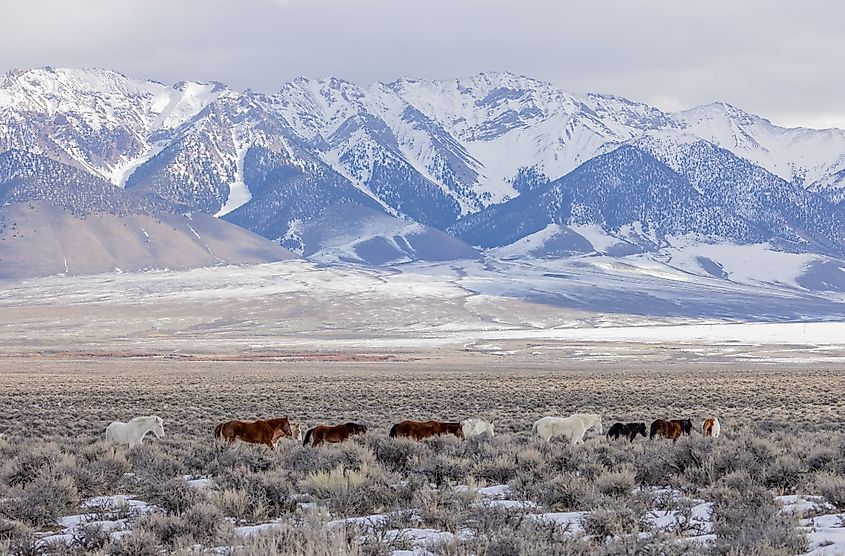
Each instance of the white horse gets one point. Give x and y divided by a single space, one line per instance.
571 428
477 427
133 432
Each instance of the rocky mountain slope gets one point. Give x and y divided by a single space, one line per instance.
492 158
57 219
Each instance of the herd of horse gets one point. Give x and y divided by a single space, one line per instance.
270 431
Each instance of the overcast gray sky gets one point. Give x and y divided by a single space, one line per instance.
780 59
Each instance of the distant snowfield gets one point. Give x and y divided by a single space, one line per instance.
813 333
487 306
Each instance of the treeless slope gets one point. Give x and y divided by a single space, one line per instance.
41 239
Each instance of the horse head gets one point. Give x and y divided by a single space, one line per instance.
597 425
641 430
158 426
284 426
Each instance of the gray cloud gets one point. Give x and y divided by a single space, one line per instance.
781 60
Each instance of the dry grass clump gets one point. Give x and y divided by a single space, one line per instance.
306 536
350 492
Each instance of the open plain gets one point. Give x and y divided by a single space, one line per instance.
330 345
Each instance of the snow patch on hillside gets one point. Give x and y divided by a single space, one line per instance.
239 193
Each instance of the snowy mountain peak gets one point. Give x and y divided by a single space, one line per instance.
431 151
801 155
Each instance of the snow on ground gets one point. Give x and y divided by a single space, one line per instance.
803 505
112 513
467 303
825 534
597 237
745 264
199 483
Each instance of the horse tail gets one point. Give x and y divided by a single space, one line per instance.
653 430
218 431
307 437
393 430
534 430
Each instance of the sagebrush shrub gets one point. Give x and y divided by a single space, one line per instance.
42 501
611 521
141 542
563 493
832 487
172 495
618 484
746 519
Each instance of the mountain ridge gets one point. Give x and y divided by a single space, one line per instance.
434 152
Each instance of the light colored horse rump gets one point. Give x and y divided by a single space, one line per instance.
572 428
477 427
133 432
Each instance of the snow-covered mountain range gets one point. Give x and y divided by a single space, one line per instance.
491 159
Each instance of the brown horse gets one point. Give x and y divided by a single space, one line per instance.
711 427
670 429
424 429
258 432
333 434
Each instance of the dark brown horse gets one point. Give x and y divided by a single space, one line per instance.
333 434
258 432
670 429
424 429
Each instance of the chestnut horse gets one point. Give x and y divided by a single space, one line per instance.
671 429
333 434
424 429
711 427
258 432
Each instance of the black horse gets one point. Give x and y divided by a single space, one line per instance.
631 430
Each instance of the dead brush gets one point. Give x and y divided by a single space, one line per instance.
348 492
